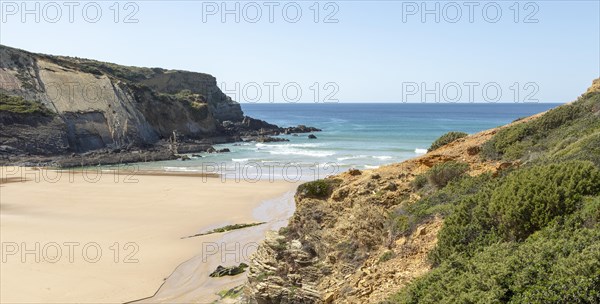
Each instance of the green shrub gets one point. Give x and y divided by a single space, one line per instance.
511 135
115 70
530 235
560 116
419 181
446 139
407 217
466 230
91 70
184 94
441 174
489 151
539 138
515 207
582 148
320 188
530 199
18 104
398 223
386 256
504 140
557 265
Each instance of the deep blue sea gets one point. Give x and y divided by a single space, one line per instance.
361 136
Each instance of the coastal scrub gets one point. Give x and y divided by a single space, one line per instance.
446 139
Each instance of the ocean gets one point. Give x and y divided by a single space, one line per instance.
361 136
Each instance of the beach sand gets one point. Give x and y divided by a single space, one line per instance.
54 225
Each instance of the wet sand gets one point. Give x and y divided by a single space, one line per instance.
190 282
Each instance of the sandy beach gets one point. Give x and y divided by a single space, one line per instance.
82 237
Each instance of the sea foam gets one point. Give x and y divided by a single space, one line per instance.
382 157
420 151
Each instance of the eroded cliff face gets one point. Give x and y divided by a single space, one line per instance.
35 134
97 105
220 105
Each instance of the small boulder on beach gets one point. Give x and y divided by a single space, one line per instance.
228 271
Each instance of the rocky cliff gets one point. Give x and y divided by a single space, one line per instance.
54 105
331 251
362 236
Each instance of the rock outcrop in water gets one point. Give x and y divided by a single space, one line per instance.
54 106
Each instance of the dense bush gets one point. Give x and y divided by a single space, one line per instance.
407 217
441 174
18 104
91 70
513 208
489 151
127 73
386 256
446 139
529 235
584 147
560 264
196 103
508 140
123 72
419 181
540 138
320 188
467 229
529 199
560 116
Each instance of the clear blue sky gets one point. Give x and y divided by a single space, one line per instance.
370 55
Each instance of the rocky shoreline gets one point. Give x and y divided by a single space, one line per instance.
69 112
248 130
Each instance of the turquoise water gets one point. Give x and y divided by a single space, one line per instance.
361 136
